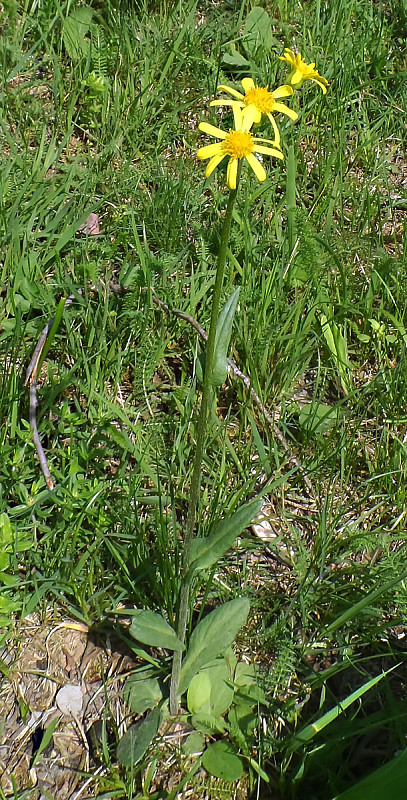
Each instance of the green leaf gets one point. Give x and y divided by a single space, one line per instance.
213 636
243 717
319 417
221 760
193 744
152 629
211 691
386 782
136 740
141 695
222 340
74 29
207 723
257 31
208 550
199 693
337 346
234 59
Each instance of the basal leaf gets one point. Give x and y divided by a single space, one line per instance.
213 636
136 740
141 695
152 629
221 760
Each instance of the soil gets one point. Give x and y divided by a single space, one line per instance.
56 673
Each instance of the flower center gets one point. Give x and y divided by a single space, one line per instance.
261 98
237 144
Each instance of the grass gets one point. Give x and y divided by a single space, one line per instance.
99 112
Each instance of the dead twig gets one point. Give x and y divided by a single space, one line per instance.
31 378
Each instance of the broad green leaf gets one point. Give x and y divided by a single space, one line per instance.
308 733
243 717
234 59
136 740
193 744
257 31
208 550
152 629
337 346
199 693
141 695
222 340
319 417
221 760
222 690
389 782
207 723
211 691
213 636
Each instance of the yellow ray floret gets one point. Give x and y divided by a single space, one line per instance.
256 101
236 144
301 71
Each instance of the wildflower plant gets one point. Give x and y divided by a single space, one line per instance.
208 665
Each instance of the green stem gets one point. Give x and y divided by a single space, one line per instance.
207 394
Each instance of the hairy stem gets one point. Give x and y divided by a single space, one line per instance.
207 395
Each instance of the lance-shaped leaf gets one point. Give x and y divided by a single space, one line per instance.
222 340
153 629
137 739
213 636
209 549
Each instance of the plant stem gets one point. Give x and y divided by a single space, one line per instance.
207 394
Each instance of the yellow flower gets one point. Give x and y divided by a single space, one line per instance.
301 71
236 144
256 101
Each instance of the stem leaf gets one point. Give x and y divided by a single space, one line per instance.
209 549
222 340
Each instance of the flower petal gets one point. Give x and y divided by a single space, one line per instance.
283 91
231 91
231 173
288 56
209 150
297 77
251 114
247 83
207 128
276 131
238 116
257 168
268 151
285 110
223 102
213 163
315 80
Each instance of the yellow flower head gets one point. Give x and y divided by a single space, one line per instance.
257 101
236 144
301 71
